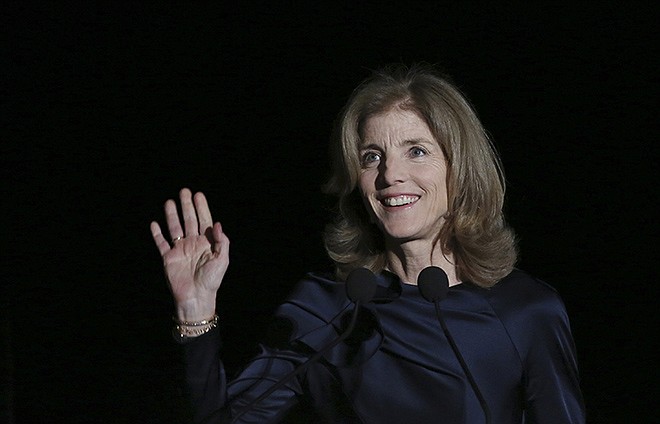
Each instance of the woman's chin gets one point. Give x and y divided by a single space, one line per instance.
400 237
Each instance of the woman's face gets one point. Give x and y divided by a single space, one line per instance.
403 176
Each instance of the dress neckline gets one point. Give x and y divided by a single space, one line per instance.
390 287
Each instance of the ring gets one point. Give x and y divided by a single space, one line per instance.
174 240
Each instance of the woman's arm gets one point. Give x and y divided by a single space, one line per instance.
215 398
195 263
551 386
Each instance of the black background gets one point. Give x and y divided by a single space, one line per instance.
112 108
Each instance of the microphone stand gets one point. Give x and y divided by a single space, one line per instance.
360 288
433 285
301 368
466 370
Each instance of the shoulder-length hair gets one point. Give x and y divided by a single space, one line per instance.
474 231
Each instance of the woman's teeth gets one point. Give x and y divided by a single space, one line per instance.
399 201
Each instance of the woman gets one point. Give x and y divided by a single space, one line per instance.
419 184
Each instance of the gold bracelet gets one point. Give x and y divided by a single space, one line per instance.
184 330
196 323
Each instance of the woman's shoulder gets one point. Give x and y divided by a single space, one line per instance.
315 301
530 309
520 296
319 292
316 313
523 287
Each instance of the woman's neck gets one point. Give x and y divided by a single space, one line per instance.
407 260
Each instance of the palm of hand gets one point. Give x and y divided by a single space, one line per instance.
193 269
195 262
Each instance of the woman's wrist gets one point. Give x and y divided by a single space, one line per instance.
195 310
187 329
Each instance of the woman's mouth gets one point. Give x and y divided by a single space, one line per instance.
399 200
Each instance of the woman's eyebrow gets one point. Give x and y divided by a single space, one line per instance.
414 141
408 142
369 146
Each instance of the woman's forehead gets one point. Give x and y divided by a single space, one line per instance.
396 127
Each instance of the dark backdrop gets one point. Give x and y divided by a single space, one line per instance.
111 109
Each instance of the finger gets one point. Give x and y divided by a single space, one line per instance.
172 218
189 215
221 241
203 213
162 244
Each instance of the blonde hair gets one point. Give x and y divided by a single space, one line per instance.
474 231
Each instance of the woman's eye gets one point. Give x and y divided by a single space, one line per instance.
369 158
417 152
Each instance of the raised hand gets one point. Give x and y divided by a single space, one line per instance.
196 260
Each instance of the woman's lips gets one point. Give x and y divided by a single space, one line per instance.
401 200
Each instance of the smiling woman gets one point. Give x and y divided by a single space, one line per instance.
403 182
422 110
420 194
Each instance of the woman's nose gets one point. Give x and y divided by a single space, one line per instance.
392 171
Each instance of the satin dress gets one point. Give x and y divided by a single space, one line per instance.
397 366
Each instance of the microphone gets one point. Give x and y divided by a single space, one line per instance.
360 288
433 285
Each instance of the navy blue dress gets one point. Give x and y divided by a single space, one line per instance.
397 366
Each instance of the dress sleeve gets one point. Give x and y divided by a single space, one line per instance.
551 384
309 320
215 399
